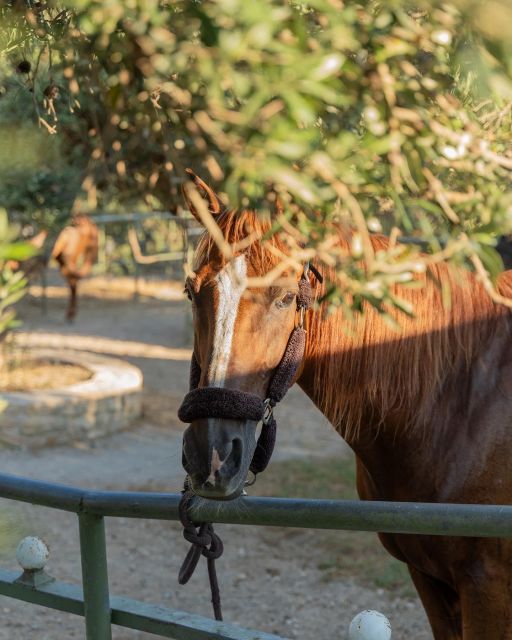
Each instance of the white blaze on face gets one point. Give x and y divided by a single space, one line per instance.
231 283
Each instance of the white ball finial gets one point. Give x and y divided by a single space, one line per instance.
369 625
32 553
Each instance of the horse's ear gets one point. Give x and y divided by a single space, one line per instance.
275 204
212 199
278 206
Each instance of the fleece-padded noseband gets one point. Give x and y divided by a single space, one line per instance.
217 402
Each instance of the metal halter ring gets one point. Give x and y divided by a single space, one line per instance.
302 314
249 483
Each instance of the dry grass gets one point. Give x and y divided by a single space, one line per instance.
33 375
348 554
13 528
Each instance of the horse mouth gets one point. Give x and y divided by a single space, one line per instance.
210 492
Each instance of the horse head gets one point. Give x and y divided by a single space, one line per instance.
241 332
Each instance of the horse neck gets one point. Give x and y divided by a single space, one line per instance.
374 384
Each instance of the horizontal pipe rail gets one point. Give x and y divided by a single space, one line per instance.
391 517
106 218
132 614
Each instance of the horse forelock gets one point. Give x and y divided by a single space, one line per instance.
365 366
246 228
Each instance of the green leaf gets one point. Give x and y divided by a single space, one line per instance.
491 260
17 251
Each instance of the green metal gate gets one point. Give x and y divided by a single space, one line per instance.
101 610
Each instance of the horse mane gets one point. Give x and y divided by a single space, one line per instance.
364 368
374 371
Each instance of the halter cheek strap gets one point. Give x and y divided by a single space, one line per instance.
216 402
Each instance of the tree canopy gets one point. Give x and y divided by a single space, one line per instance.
387 117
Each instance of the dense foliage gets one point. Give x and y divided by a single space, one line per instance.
384 116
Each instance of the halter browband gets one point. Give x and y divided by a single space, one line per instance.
217 402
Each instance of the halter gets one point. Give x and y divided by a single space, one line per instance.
216 402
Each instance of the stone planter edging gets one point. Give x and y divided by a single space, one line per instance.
81 412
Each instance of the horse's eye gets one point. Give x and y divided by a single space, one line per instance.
285 301
186 291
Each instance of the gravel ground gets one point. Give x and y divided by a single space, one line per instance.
270 578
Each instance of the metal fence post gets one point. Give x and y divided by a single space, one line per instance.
44 289
102 250
95 577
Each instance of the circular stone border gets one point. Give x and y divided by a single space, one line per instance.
104 404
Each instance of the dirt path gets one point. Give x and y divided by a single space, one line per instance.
271 578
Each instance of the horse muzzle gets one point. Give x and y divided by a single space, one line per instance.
217 453
219 446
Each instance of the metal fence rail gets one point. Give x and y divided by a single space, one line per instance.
101 610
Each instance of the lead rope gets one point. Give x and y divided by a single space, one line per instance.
205 542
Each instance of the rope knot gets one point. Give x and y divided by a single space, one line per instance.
199 538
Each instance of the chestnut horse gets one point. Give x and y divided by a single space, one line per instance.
427 409
75 250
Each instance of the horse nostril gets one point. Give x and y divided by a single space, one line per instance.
236 452
228 464
184 458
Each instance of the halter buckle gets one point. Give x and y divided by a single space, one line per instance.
267 411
